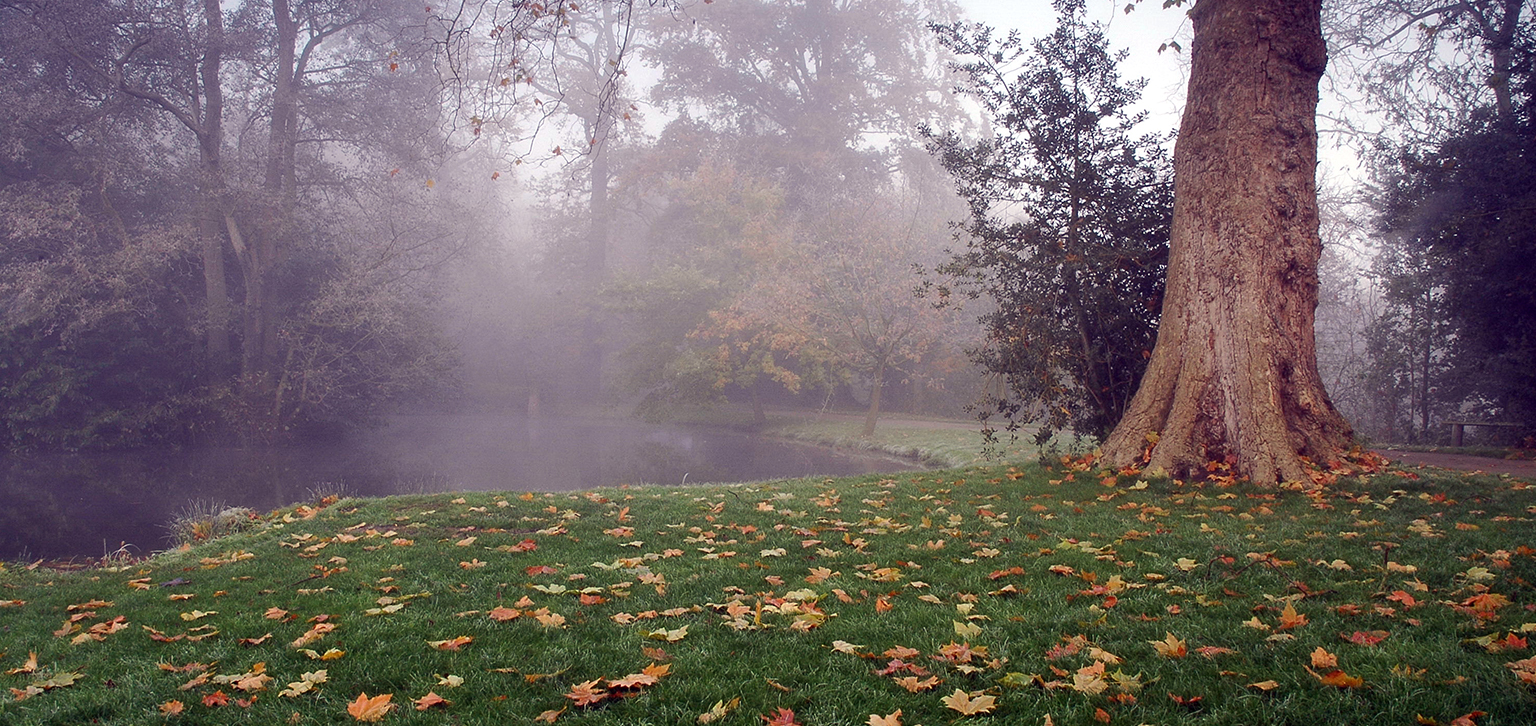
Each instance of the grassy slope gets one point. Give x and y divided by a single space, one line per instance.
939 548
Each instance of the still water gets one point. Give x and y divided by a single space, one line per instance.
85 505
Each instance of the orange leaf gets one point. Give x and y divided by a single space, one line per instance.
371 709
548 716
633 680
503 614
1323 659
1338 678
217 698
171 708
588 693
451 643
430 700
1170 647
1289 618
912 684
893 719
1467 719
1100 715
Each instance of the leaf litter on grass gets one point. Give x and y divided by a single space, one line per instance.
976 593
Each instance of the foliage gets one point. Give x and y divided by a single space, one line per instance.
1068 234
121 200
826 91
1457 221
1061 595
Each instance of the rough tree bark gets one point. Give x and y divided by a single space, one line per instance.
1233 376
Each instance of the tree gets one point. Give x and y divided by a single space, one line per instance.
1233 377
1410 343
1427 65
828 90
1457 267
1067 235
849 290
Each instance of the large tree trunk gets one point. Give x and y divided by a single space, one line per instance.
1234 374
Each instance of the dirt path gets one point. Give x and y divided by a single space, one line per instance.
1459 462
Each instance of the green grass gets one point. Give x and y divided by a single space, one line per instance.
936 446
1196 561
1487 452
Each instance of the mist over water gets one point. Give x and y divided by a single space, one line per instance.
60 506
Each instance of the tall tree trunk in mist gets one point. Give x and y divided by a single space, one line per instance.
259 251
599 126
210 137
1233 376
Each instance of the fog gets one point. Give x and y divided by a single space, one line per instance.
240 232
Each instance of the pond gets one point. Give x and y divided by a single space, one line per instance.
61 506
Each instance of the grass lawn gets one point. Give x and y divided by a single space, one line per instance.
1021 596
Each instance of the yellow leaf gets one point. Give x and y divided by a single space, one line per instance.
719 710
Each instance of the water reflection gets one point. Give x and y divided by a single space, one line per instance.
85 505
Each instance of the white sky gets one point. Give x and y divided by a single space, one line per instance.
1141 32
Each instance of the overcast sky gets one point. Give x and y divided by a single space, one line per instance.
1141 32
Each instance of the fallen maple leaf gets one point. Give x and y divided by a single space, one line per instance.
1366 638
587 693
912 684
172 708
371 709
1466 720
1170 647
1338 679
1525 670
719 710
430 700
782 717
503 614
215 699
970 704
28 667
548 716
1289 618
893 719
1323 659
1090 679
451 643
